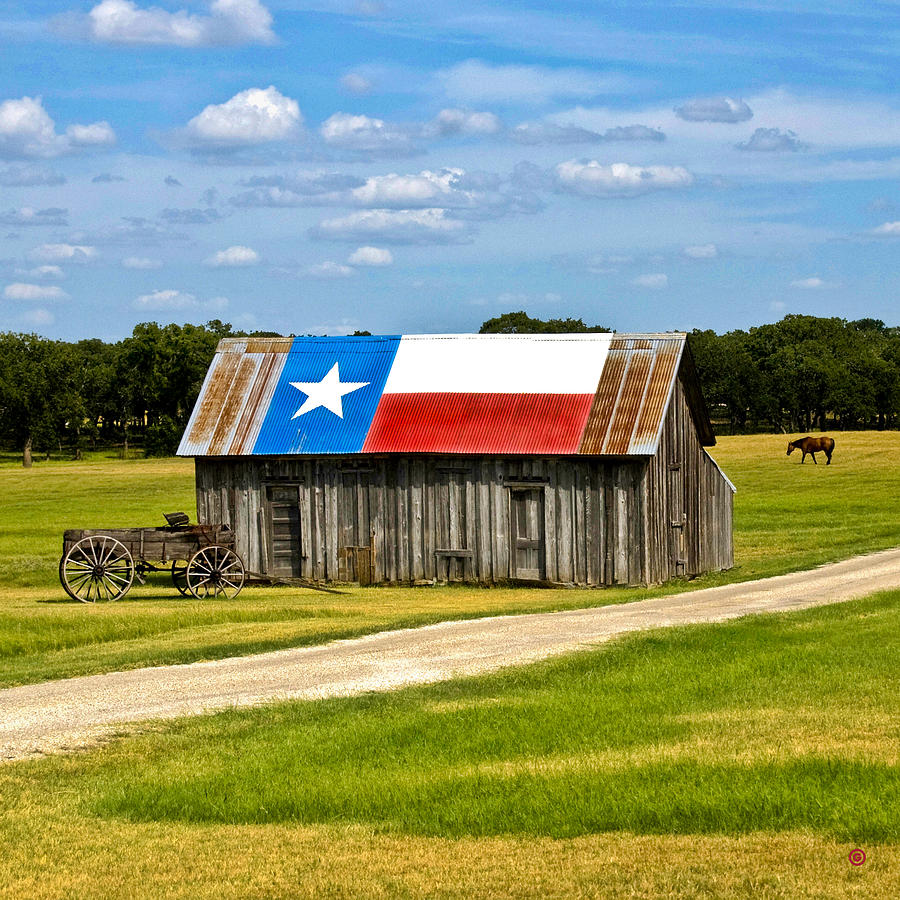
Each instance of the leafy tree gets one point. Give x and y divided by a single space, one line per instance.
521 323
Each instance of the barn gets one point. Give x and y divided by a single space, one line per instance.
568 459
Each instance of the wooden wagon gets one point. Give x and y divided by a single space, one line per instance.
102 564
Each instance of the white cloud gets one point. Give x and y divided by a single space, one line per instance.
29 216
46 272
234 256
364 133
619 179
228 22
405 226
330 269
22 291
771 140
462 121
474 81
28 132
172 299
406 191
702 251
99 134
371 256
655 281
552 133
254 116
356 84
63 253
141 262
777 306
29 176
714 109
810 284
888 229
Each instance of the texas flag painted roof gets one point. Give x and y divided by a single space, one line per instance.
594 394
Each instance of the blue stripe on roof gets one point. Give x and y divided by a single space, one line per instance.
359 359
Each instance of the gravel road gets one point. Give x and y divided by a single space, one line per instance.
77 712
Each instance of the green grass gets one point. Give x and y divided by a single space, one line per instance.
584 744
737 760
787 517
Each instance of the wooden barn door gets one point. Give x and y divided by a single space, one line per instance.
526 509
283 505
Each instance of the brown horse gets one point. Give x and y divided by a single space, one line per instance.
812 446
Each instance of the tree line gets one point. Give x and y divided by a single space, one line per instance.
800 374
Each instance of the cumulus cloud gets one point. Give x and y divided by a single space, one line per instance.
63 253
474 81
405 226
27 216
27 176
771 140
593 179
371 256
45 272
22 291
106 178
39 317
427 189
228 22
363 133
98 134
171 299
355 83
809 284
701 251
714 109
305 189
551 133
234 256
888 229
462 121
141 262
254 116
655 281
28 132
330 269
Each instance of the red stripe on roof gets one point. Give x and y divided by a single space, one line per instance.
478 423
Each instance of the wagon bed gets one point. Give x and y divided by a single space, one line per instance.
102 563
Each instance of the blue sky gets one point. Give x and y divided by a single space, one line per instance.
406 167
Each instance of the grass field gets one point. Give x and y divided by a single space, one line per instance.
738 760
787 516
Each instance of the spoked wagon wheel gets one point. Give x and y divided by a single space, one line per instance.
215 571
97 567
179 576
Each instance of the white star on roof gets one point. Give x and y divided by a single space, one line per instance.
327 392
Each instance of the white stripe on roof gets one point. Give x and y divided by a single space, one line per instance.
501 364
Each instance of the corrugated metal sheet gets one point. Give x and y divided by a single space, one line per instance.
633 395
478 423
251 399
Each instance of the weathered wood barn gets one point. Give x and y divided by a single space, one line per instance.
572 459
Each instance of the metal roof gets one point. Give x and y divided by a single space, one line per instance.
588 394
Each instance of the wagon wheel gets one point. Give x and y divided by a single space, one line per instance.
179 576
215 571
97 567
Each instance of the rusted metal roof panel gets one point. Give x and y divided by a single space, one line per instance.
633 395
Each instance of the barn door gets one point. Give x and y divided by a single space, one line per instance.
526 509
677 518
283 505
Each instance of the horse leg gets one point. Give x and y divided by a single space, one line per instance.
803 458
828 454
813 455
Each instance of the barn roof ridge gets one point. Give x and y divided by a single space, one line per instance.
592 394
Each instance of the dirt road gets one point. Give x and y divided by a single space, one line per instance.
76 712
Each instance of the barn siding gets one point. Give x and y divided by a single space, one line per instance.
419 511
